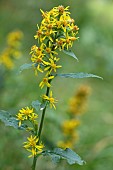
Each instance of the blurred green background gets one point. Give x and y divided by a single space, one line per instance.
95 53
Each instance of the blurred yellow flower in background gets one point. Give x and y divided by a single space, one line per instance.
77 105
12 50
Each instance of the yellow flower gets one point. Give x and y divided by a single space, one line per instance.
51 100
50 49
64 23
68 41
37 51
6 60
13 38
33 117
77 104
75 28
60 10
69 141
26 114
69 126
39 34
12 49
37 57
45 82
65 144
51 65
29 129
32 142
20 117
33 146
44 14
38 63
47 35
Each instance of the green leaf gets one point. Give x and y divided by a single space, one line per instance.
9 120
57 154
36 104
78 75
69 52
43 105
25 66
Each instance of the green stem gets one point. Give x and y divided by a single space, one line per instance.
43 115
40 128
34 163
35 158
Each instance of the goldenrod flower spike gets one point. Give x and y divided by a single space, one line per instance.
13 38
65 144
77 104
12 50
56 31
69 125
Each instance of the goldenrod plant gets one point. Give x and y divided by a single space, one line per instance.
12 50
57 32
69 128
77 104
9 54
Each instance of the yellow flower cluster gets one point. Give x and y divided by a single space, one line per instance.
69 142
70 134
33 146
27 114
69 127
12 50
77 104
57 31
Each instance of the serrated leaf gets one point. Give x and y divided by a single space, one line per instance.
78 75
9 120
57 154
25 66
70 53
36 104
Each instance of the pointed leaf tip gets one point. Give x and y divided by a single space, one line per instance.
25 66
78 75
70 53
